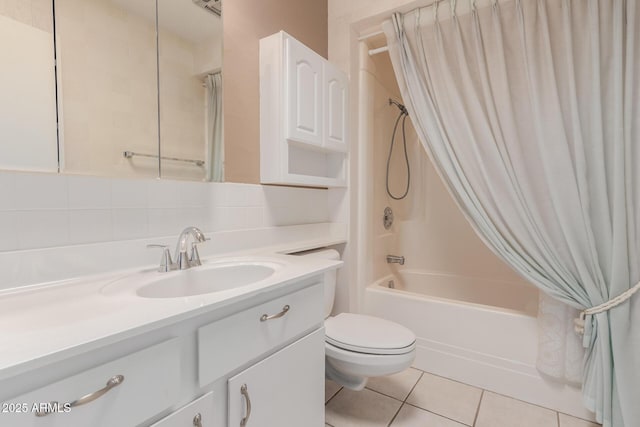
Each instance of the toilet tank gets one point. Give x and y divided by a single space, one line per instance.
329 276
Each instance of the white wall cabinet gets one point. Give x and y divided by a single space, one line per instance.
284 390
304 91
304 115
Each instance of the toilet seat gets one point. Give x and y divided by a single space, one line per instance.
368 335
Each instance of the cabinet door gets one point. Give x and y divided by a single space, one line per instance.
284 390
198 413
336 96
303 87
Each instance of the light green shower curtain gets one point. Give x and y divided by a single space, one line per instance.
215 146
530 110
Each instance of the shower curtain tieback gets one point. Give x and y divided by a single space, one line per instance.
613 302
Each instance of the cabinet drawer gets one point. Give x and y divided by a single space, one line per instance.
231 342
151 384
202 408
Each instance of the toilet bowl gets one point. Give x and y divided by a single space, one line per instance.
358 346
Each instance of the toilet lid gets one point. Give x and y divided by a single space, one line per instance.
367 334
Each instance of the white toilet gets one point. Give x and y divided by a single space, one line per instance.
358 347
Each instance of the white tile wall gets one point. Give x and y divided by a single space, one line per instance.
47 210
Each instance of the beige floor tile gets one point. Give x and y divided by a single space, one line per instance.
501 411
568 421
398 385
364 408
448 398
410 416
330 389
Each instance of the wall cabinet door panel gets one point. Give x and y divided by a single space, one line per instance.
336 98
304 94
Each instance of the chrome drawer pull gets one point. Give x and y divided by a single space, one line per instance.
266 317
197 420
113 382
245 393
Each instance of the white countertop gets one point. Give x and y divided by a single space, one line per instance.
46 323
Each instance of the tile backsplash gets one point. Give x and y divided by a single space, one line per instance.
48 210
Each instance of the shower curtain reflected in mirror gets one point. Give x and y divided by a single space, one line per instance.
215 147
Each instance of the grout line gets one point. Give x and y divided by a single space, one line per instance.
334 395
439 415
520 400
385 395
578 418
395 415
558 418
414 387
475 419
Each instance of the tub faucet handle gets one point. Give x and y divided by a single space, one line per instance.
395 259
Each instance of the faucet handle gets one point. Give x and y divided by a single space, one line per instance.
166 263
194 259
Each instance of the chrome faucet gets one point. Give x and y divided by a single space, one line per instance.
395 259
183 260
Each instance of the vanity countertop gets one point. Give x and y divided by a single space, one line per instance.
49 322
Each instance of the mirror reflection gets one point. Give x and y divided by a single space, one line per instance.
190 62
107 86
137 87
27 87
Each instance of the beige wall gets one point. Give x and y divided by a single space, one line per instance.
245 22
36 13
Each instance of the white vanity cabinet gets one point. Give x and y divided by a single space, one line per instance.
148 382
188 372
304 120
284 390
198 413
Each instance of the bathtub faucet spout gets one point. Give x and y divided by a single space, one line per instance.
395 259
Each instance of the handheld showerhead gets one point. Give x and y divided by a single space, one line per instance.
401 107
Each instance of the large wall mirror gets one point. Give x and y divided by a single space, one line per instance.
112 87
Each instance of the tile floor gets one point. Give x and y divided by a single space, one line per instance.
418 399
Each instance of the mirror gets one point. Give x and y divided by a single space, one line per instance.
190 64
28 138
135 82
107 86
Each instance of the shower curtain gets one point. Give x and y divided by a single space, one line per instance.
530 110
215 147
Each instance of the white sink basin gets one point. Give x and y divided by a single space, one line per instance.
205 279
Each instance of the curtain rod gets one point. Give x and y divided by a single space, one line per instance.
379 32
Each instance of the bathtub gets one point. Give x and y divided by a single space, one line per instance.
477 331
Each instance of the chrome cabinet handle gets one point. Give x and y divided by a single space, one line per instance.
113 382
197 420
245 393
266 317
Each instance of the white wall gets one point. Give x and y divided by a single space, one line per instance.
54 227
49 210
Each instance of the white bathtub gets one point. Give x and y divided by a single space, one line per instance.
480 332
